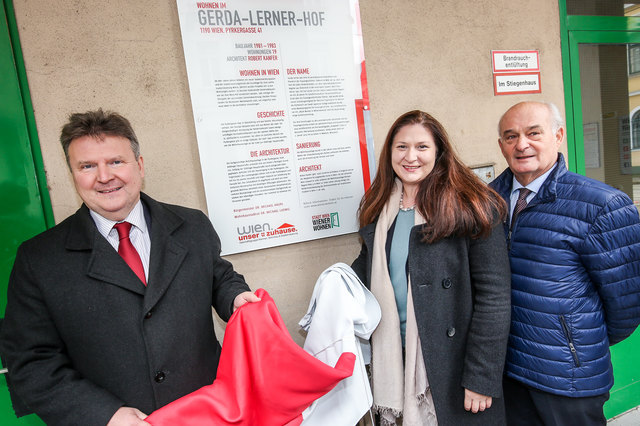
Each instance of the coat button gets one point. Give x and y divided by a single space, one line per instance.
446 283
451 331
159 378
148 315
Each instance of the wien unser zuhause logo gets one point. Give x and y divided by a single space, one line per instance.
261 231
325 221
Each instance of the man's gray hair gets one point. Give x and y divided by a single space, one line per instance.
556 117
97 124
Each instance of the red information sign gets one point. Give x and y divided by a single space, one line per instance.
516 83
515 60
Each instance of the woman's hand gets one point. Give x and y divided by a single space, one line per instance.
475 402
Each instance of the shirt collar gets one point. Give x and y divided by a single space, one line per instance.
533 186
135 217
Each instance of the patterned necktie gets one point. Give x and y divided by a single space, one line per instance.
128 251
520 204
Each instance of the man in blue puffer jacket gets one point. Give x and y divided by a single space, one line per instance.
574 245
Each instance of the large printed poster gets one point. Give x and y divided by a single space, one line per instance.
280 104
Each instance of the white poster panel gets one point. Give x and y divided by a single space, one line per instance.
278 90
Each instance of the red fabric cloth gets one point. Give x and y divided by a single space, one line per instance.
128 251
264 378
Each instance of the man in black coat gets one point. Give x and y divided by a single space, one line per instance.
90 338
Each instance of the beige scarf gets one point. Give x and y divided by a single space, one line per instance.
396 393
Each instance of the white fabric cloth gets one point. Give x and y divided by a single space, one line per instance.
342 315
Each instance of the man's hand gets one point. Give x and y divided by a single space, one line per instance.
475 402
242 298
128 416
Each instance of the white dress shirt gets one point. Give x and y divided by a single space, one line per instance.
139 234
533 186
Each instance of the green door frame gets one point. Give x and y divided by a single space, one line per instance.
588 37
40 179
575 30
25 207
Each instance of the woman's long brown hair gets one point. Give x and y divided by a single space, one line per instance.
452 199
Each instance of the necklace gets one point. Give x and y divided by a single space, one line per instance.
405 209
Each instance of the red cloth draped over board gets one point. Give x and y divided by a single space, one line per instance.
264 377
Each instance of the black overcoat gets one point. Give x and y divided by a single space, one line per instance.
82 336
461 296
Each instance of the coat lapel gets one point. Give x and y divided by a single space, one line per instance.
105 264
367 233
167 254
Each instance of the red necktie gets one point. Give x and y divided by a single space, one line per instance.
520 204
128 251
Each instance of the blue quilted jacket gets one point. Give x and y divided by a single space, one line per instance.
575 267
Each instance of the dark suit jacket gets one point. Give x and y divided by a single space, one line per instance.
82 336
461 296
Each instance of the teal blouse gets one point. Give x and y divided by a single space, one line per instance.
398 264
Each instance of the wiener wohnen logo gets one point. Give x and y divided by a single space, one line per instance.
325 221
261 231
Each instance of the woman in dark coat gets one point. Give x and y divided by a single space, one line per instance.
434 256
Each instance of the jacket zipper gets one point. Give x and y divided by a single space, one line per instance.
569 340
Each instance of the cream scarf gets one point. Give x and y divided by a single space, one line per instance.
396 392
